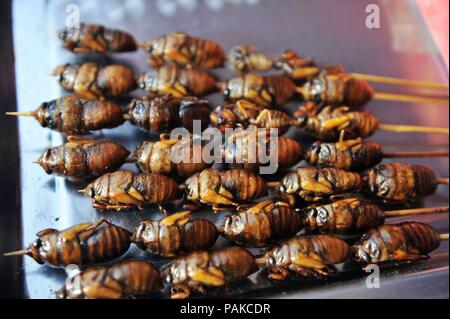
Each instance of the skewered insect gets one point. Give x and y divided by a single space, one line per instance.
166 112
75 115
171 79
251 149
175 234
406 241
200 270
159 157
262 224
328 123
245 114
400 182
125 190
355 155
306 255
83 159
82 244
345 215
94 38
94 81
300 68
315 184
217 188
124 279
183 49
243 59
263 90
337 89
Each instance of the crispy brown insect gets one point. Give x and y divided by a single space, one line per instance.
314 184
124 279
328 123
125 190
202 269
175 234
170 79
345 215
243 59
245 114
301 68
159 157
94 81
406 241
166 112
83 159
262 224
74 115
216 188
183 49
338 89
247 150
263 90
94 38
82 244
352 155
399 182
306 256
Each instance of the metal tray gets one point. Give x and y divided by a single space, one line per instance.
329 31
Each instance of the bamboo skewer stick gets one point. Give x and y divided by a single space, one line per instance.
443 236
417 211
443 181
400 81
30 113
415 154
413 128
409 98
21 252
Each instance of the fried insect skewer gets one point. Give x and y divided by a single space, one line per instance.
244 59
270 221
393 182
61 248
323 123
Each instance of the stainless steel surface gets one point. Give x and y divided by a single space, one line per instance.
329 31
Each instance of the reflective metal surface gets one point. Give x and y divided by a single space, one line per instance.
329 31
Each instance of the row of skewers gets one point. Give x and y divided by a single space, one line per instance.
346 164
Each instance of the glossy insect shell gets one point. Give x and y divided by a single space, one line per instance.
127 190
82 244
330 250
94 81
94 38
262 224
233 263
165 112
183 49
262 90
124 279
242 185
245 151
74 115
157 157
400 242
354 155
170 240
170 79
399 182
346 215
83 160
